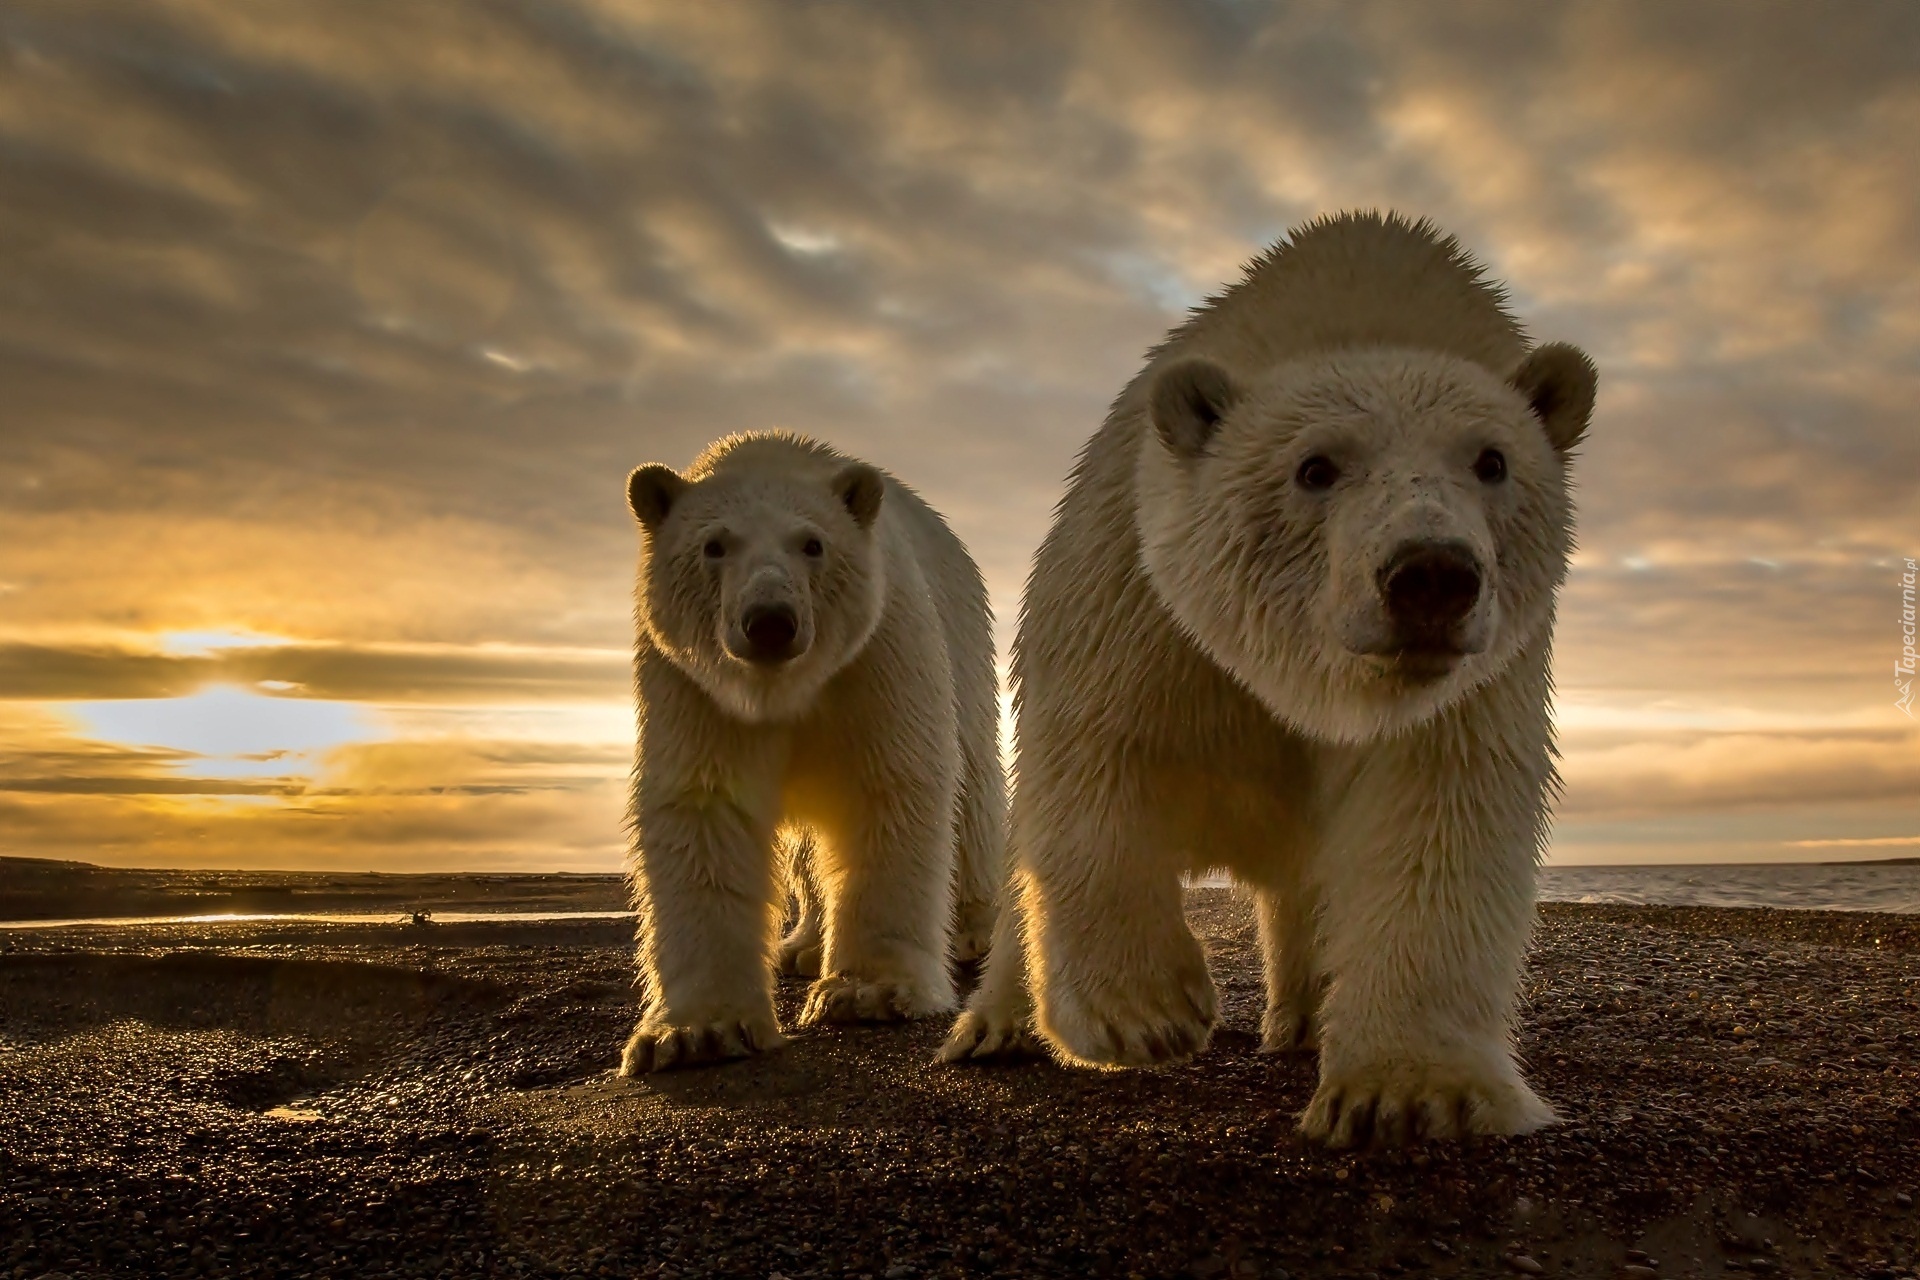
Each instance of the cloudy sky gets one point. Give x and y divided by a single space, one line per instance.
328 331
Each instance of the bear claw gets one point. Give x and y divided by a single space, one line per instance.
1155 1033
842 998
663 1048
975 1038
1154 1046
1403 1107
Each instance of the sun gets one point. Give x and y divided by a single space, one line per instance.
230 732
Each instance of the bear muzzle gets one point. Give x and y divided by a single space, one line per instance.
1429 588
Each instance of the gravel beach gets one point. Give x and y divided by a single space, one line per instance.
1740 1090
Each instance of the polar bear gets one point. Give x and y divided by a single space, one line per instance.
1293 621
814 670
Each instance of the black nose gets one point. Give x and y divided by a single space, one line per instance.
770 630
1429 586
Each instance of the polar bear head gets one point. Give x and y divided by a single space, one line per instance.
1361 536
761 573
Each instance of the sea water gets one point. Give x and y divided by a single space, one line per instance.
1831 886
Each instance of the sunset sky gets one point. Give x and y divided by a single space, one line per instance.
329 331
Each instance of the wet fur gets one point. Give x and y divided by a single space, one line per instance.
1189 698
865 771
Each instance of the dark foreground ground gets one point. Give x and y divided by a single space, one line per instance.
1740 1088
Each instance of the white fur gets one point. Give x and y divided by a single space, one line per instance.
872 757
1202 682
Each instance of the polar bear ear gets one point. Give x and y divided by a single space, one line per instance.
861 488
1189 399
651 492
1558 381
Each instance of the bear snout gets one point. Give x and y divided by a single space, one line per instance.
1430 586
771 632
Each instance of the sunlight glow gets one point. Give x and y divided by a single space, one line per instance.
805 242
201 644
230 729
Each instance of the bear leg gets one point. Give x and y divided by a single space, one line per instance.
1425 913
1121 981
703 876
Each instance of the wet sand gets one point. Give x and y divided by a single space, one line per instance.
300 1100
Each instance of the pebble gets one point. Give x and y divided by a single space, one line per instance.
1525 1264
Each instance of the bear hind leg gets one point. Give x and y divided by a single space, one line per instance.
1294 987
980 821
798 954
998 1019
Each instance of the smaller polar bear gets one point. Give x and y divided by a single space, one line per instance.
814 670
1293 620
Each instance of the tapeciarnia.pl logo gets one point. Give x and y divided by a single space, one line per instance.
1903 665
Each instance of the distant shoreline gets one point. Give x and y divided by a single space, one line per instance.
35 889
10 864
46 889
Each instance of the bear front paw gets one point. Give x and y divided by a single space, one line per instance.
844 997
1134 1022
1393 1103
659 1046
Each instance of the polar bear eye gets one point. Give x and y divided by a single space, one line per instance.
1491 466
812 549
714 549
1317 472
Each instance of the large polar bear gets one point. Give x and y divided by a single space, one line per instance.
1293 620
815 653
